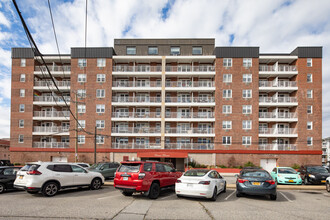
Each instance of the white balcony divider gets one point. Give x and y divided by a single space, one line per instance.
277 131
135 84
51 114
190 146
287 147
190 99
284 84
287 115
50 83
53 129
190 131
136 115
198 84
280 68
53 68
278 99
140 68
51 144
51 98
132 130
190 115
136 99
189 68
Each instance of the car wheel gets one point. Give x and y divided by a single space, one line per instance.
225 188
214 196
96 184
273 197
32 192
125 193
306 181
2 188
154 191
328 186
238 194
50 189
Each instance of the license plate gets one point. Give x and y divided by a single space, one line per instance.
21 177
322 181
125 178
256 183
290 181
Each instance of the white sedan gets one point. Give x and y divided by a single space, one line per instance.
200 183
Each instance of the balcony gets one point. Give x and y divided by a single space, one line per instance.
135 146
284 147
192 116
190 101
62 71
282 86
131 131
190 146
136 101
51 115
192 132
140 70
277 132
49 85
136 116
136 86
52 130
50 100
278 70
278 101
278 116
188 70
190 86
51 144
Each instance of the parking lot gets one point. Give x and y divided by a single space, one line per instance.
109 203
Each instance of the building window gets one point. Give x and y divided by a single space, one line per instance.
175 51
247 62
21 108
100 108
81 78
101 62
309 141
309 93
82 62
23 62
226 124
309 62
21 123
226 93
130 50
247 78
309 125
81 139
246 140
100 124
226 140
309 109
247 124
227 78
100 78
100 139
22 92
309 77
226 109
20 138
22 78
247 93
81 108
247 109
100 93
152 50
81 124
81 93
197 50
227 62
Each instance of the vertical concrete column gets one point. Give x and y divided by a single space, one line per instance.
214 159
162 124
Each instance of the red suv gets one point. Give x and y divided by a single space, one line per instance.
145 176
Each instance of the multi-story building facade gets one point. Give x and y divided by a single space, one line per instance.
326 151
4 149
169 99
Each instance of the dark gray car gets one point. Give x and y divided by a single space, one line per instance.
255 182
106 169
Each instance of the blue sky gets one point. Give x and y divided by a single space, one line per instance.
275 26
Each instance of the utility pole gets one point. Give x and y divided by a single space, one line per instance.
95 138
76 147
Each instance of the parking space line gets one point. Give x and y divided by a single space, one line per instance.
229 195
107 197
285 197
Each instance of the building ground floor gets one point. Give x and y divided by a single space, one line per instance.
180 158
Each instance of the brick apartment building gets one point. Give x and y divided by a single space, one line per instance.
4 149
169 99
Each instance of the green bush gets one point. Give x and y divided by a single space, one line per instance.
222 166
295 166
17 164
249 164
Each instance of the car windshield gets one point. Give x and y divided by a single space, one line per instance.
287 171
96 165
129 168
250 173
317 170
196 172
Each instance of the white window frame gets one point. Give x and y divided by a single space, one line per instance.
309 109
175 50
153 50
247 78
129 50
82 62
100 139
247 62
82 123
247 109
226 125
100 124
22 93
81 139
22 77
20 138
199 48
100 109
100 77
81 78
227 78
226 109
227 140
309 125
309 62
309 141
247 124
81 108
81 93
246 140
227 62
21 108
247 93
309 77
23 62
226 93
21 123
101 62
100 93
309 93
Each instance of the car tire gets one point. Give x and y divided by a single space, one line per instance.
215 194
32 192
126 193
225 188
2 188
154 191
96 184
273 197
328 186
50 189
238 194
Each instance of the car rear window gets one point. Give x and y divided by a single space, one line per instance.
26 167
196 172
255 174
130 167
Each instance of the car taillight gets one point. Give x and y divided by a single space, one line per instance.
271 182
204 182
178 181
242 180
33 172
141 176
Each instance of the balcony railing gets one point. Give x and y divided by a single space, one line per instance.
135 146
278 99
190 99
135 115
190 115
190 131
135 84
52 114
280 68
51 144
284 84
189 68
51 99
44 129
130 130
286 115
278 131
142 68
136 99
50 83
190 146
190 84
286 147
52 68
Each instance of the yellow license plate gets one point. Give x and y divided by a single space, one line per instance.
256 183
290 181
322 181
20 177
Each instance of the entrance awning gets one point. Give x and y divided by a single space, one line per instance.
162 155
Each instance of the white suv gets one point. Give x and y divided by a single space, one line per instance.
49 177
327 184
